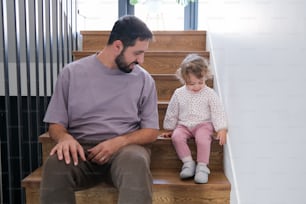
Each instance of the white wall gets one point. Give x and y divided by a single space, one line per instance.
259 50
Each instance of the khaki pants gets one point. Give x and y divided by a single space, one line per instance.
128 171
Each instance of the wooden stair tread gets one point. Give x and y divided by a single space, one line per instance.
149 53
32 180
167 189
161 177
45 138
166 32
162 146
171 177
156 62
163 40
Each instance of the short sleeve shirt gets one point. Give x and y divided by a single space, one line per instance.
96 103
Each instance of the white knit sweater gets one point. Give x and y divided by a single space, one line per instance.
190 109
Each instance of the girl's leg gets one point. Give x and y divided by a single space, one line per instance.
179 139
203 138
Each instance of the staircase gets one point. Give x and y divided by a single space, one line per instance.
161 61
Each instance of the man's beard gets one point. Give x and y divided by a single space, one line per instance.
122 65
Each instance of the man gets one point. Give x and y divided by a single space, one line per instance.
103 116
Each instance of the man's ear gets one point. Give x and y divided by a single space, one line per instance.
118 46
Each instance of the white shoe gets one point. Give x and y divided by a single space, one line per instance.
188 170
201 174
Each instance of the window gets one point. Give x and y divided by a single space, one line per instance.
161 14
202 24
158 14
96 14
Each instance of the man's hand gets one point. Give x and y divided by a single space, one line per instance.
66 146
102 152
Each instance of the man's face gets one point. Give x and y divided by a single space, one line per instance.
129 57
122 64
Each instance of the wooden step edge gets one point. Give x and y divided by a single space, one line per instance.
173 77
179 32
32 180
149 53
161 177
167 77
45 138
167 53
95 32
154 52
170 177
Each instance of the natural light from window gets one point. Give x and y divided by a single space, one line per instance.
158 14
161 14
97 14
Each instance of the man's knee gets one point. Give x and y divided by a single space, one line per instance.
56 173
134 155
56 185
132 176
54 165
132 162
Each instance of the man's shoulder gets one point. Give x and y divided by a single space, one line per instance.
83 61
143 73
79 64
142 70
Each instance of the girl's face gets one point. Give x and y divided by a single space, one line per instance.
195 84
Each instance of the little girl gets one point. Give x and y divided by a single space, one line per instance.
195 111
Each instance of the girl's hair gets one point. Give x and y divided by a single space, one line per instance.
196 65
128 29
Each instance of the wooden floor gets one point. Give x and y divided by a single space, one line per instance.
161 61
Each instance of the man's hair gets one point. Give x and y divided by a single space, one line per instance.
128 29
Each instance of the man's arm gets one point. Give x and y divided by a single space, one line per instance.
142 136
102 152
66 144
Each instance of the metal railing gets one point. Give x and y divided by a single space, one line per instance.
37 40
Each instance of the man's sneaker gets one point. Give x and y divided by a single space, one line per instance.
188 170
201 174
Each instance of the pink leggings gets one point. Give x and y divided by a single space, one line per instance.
202 134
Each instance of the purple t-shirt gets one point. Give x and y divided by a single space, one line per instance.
96 103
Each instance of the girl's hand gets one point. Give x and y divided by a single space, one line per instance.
221 136
166 134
